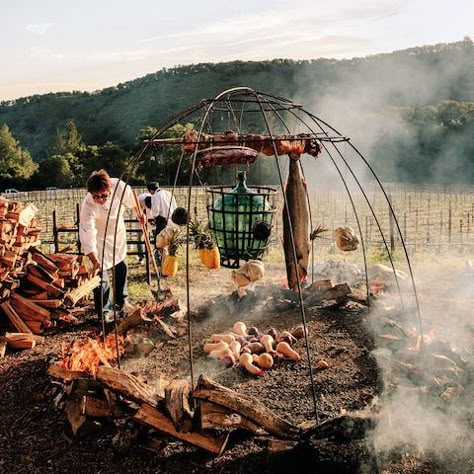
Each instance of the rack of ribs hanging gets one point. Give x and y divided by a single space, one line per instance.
230 148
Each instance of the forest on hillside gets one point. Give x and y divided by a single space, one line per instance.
411 112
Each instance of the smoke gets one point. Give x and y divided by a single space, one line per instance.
373 101
427 405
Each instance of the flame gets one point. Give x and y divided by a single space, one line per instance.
87 354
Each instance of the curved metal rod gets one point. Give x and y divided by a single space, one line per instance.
317 120
367 200
402 240
295 261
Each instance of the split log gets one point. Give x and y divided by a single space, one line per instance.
135 318
50 288
152 417
17 336
177 405
345 427
28 310
18 344
51 304
337 292
219 418
77 294
43 260
36 327
59 372
14 318
95 407
128 385
244 405
3 348
168 330
74 414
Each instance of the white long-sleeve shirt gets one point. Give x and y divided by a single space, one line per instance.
141 200
162 204
92 225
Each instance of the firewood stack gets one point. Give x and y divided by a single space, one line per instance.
35 289
203 417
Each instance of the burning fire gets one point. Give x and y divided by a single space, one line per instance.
87 354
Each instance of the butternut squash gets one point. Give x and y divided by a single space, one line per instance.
246 361
285 349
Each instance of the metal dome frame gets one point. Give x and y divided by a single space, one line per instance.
237 102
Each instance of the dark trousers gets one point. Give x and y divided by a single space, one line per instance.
120 288
161 223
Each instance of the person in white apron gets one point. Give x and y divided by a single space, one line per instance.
105 243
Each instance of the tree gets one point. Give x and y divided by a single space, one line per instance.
68 140
55 171
16 163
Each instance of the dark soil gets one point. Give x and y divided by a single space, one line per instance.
35 436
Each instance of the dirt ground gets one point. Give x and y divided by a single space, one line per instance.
35 438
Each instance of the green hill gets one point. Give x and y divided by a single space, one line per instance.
345 92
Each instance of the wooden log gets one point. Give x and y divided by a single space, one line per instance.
77 294
337 292
246 406
19 344
16 336
178 406
14 318
152 417
128 385
74 414
133 319
35 327
49 304
216 417
43 260
3 348
51 289
29 310
59 372
95 407
41 272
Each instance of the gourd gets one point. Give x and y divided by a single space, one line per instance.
246 361
285 349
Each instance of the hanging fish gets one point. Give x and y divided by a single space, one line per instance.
346 238
299 216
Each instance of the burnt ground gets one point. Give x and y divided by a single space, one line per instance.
35 437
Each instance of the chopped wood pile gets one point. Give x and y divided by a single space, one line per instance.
203 417
36 290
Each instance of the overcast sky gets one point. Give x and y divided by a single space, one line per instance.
60 45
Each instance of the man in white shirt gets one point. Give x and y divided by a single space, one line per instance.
99 239
163 204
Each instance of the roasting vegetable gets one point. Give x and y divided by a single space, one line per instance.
285 349
298 332
235 347
224 355
256 347
229 338
215 346
322 364
240 328
267 342
253 331
273 332
286 336
246 361
265 361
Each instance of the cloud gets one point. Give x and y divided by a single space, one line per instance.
38 28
